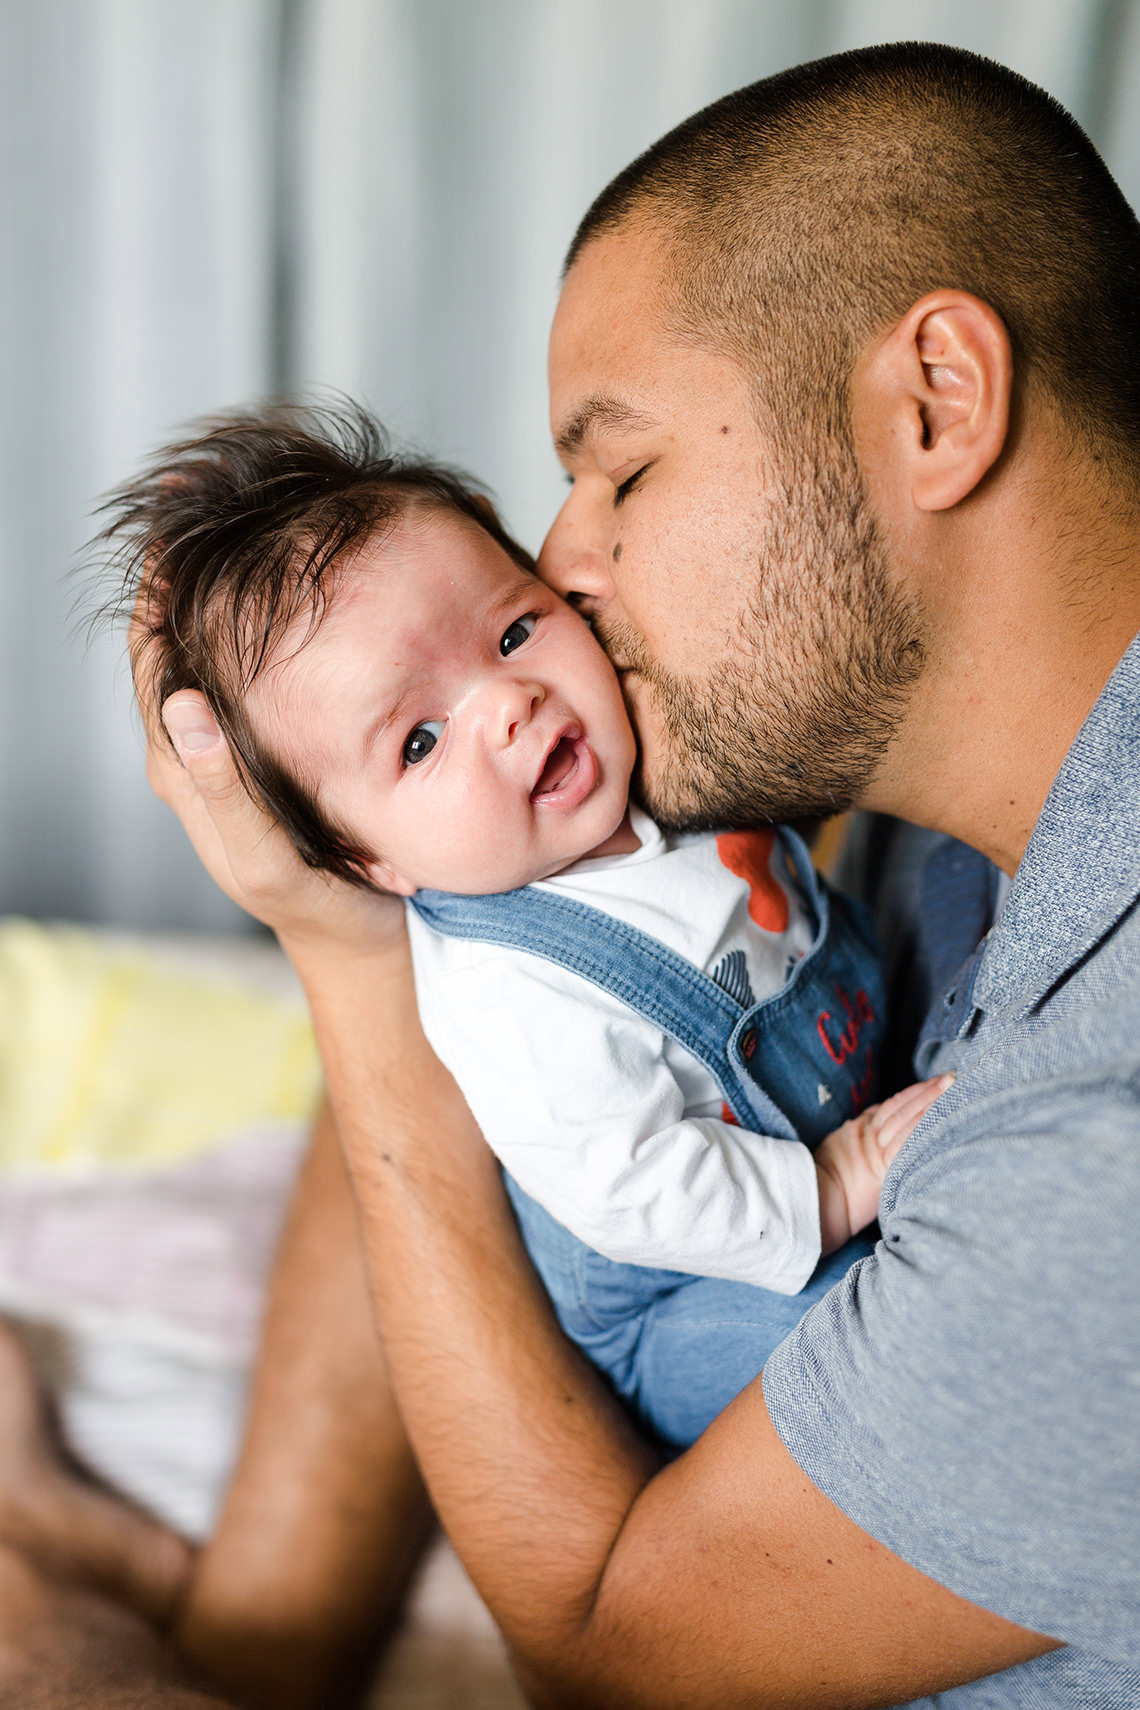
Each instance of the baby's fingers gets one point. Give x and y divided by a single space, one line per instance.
891 1123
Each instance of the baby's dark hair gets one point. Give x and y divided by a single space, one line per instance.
226 537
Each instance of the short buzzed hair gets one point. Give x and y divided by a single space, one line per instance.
227 536
806 213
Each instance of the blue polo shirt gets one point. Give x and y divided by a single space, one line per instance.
970 1395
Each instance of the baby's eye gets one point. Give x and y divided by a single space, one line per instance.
422 740
521 630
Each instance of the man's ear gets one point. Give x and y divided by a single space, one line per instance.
935 397
387 878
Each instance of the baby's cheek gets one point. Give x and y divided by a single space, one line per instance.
482 826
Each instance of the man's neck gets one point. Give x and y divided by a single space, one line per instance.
1015 668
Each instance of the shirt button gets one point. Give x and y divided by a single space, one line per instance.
747 1045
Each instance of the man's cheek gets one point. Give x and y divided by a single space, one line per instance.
673 636
656 764
644 711
633 693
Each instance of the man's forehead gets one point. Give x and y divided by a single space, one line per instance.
608 321
620 362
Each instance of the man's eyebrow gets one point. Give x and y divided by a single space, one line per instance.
600 414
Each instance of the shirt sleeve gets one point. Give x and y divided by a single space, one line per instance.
575 1097
969 1395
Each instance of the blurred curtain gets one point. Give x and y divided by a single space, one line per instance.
207 200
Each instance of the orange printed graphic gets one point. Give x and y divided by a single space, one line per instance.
748 854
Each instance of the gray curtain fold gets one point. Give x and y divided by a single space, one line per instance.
204 201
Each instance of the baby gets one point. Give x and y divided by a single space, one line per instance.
654 1031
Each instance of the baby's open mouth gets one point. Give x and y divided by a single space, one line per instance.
569 774
561 764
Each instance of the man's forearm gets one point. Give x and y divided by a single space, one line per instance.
326 1511
500 1410
724 1581
65 1648
509 1419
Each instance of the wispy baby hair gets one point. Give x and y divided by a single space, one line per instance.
228 536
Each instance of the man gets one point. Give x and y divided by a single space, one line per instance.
845 374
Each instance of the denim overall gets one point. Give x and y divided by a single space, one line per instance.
678 1347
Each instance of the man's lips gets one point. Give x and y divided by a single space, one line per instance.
569 772
623 668
628 680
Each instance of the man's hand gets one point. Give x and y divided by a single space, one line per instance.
246 852
851 1163
243 849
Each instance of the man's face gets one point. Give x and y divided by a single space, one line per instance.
740 589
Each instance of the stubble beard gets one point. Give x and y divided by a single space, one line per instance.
796 720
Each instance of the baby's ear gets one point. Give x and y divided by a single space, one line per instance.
386 878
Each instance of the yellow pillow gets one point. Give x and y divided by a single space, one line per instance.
113 1055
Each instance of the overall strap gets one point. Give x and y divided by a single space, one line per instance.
632 966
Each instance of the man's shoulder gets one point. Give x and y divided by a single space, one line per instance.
1043 1121
981 1367
968 1395
1062 1038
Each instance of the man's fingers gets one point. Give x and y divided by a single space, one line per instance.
242 846
205 754
195 762
256 850
192 726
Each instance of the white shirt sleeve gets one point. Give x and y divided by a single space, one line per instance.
575 1097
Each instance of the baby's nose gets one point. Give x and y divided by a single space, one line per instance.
518 700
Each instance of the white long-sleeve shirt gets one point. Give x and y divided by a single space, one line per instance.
614 1128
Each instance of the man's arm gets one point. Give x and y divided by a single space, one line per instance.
326 1511
725 1580
64 1647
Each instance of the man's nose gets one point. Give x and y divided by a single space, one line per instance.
575 565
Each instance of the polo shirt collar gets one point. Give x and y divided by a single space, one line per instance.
1081 869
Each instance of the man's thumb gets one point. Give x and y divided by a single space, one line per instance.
197 740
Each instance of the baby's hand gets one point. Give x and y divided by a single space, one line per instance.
851 1163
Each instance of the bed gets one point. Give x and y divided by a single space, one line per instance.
140 1202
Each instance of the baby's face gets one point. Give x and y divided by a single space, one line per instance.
453 713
